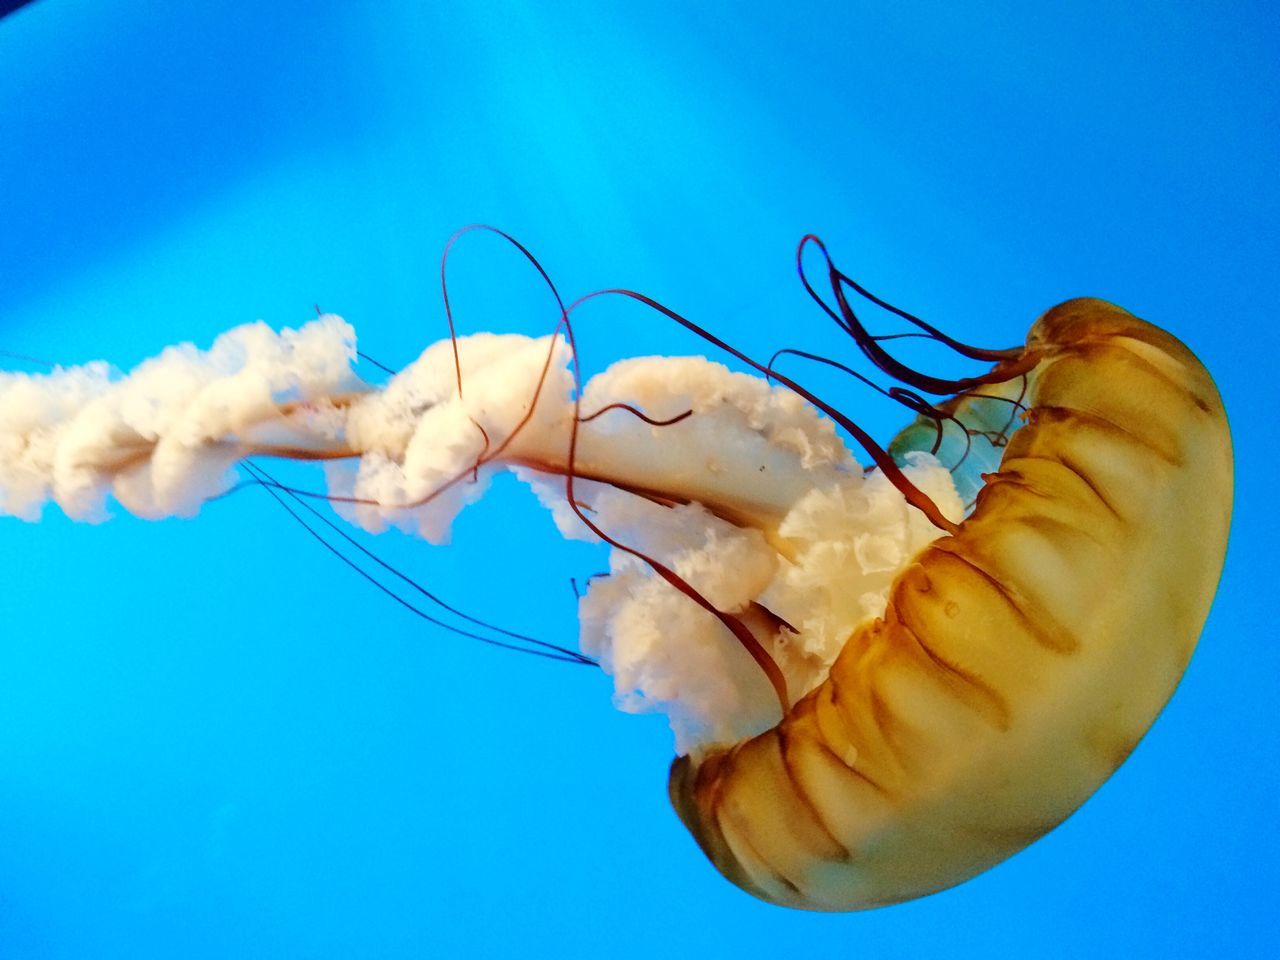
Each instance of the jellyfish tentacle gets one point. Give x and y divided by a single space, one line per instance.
535 647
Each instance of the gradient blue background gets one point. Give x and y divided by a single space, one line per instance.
215 741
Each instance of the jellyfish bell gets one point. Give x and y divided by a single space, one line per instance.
1019 660
881 681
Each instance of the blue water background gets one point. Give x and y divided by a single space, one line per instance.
217 742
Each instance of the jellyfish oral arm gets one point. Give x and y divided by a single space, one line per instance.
740 491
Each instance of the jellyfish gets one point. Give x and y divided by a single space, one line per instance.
882 679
